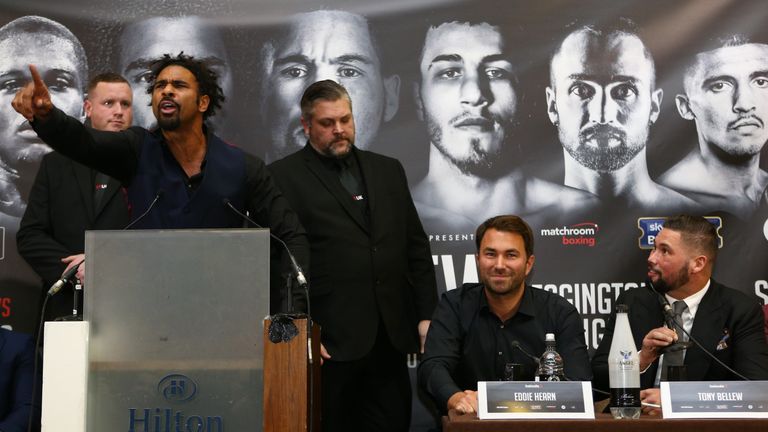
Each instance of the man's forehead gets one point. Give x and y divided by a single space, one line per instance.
463 40
617 54
733 61
157 36
110 88
45 50
326 36
176 73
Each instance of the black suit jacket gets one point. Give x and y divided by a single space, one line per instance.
721 310
361 271
60 209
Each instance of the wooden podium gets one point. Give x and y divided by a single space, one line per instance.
292 380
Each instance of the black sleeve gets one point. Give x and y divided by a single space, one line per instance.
571 345
113 153
421 270
269 208
442 354
35 239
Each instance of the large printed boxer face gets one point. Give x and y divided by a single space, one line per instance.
56 61
466 94
602 98
726 94
324 45
145 41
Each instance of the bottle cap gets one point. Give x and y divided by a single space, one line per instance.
622 308
550 337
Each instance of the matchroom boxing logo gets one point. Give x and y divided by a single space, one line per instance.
580 234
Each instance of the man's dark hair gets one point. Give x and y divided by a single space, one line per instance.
37 25
105 77
696 232
603 30
510 224
207 78
327 90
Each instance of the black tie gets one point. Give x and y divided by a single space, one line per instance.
676 358
347 178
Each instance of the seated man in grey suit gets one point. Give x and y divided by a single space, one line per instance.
727 323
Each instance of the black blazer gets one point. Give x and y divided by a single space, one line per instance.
360 271
721 310
17 359
60 209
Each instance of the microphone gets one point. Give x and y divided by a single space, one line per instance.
146 212
295 265
65 279
69 275
669 320
516 345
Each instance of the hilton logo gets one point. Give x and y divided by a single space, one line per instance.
174 388
177 388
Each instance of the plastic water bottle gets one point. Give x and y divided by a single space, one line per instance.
550 363
624 369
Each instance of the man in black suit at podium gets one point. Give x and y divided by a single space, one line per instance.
372 284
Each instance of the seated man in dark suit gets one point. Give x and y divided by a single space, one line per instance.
17 361
69 198
727 323
478 328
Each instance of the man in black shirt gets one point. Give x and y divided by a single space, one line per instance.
479 328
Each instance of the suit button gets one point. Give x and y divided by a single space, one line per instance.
375 249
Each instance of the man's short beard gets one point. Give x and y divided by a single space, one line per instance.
169 123
682 278
606 159
479 162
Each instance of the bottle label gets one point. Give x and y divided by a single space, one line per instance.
625 397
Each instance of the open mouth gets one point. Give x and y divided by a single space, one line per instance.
168 107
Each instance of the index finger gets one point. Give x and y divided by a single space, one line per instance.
36 76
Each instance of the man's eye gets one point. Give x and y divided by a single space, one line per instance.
623 92
60 84
108 103
495 73
582 91
143 77
718 86
11 85
761 82
448 74
348 72
294 72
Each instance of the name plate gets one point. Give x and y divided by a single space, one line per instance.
714 399
531 400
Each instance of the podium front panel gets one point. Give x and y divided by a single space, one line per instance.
175 340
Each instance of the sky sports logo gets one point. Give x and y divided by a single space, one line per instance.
580 234
651 226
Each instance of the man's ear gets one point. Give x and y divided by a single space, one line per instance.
391 96
203 102
684 107
305 125
551 106
529 264
87 108
656 97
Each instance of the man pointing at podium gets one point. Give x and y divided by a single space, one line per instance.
180 175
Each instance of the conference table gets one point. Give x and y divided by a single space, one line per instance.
455 422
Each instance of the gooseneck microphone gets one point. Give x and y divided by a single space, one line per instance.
69 275
670 321
295 265
65 279
146 212
516 345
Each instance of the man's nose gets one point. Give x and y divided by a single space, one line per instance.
602 108
471 91
743 99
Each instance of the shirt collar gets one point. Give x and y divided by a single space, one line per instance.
693 300
526 303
